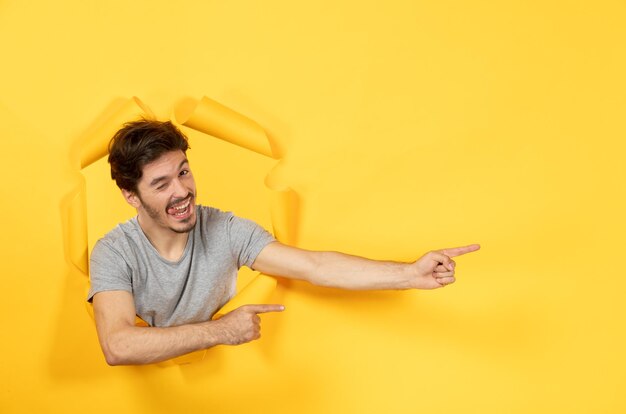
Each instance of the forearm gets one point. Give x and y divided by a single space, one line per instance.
135 345
334 269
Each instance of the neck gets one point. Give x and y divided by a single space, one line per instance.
167 242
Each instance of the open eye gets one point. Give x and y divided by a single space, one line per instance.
184 172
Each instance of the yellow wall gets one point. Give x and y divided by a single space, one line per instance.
409 126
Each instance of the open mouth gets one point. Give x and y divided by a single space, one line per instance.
182 209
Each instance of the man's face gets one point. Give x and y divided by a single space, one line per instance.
167 193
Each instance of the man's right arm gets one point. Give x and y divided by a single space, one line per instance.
123 343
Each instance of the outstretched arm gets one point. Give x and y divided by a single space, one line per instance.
123 343
433 270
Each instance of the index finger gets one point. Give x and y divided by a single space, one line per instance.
457 251
265 308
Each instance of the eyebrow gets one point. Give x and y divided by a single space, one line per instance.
165 177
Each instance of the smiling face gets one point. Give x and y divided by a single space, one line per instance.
166 193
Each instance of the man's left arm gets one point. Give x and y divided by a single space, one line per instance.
433 270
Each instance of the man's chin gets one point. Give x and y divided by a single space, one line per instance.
185 226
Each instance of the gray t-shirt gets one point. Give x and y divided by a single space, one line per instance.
189 290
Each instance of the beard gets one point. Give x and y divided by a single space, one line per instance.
160 216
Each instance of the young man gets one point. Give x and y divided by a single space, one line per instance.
175 264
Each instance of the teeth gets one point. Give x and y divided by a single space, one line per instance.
184 206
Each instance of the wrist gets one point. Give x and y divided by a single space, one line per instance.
210 333
407 276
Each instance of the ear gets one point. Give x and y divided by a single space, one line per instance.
131 198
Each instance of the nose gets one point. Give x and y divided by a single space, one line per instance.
180 191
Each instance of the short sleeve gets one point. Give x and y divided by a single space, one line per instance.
107 270
247 239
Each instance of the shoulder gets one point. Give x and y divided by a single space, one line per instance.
121 240
112 259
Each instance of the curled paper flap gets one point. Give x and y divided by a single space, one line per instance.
285 215
77 231
97 145
258 291
215 119
285 206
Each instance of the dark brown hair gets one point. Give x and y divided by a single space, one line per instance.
139 143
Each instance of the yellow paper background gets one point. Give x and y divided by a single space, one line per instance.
407 126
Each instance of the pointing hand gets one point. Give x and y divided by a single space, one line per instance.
244 324
436 269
